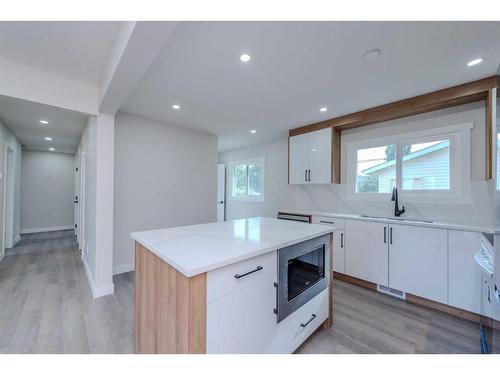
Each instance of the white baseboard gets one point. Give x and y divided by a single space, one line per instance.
16 240
49 229
100 291
123 268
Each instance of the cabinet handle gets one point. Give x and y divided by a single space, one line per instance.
305 175
385 234
390 236
309 175
327 222
342 240
237 276
303 325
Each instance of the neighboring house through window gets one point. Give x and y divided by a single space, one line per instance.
435 162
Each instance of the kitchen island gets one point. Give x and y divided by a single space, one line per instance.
222 287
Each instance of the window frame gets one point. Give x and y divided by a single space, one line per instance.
261 162
459 138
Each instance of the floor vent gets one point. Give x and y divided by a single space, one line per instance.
392 292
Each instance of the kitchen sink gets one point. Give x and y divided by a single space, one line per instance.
397 218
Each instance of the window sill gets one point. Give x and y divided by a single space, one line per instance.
247 199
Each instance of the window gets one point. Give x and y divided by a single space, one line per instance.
248 180
376 172
433 163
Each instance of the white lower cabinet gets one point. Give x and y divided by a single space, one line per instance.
290 333
251 325
366 252
418 261
338 249
338 258
464 276
242 319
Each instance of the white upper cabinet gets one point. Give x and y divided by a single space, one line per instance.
298 159
320 156
418 261
366 251
310 158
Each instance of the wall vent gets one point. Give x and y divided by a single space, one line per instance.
391 291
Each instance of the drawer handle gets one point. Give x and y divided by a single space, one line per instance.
237 276
327 222
303 325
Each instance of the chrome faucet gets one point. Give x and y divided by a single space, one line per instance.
397 211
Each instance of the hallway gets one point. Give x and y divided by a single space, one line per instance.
47 306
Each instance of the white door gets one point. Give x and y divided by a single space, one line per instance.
298 159
338 251
320 156
221 192
8 199
366 251
418 262
77 197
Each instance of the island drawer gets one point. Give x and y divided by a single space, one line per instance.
226 280
325 220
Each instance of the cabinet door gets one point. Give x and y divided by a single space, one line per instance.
338 251
243 321
464 278
418 262
298 159
320 156
366 251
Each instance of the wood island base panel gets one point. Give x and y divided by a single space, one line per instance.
170 309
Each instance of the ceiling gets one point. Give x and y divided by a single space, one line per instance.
75 50
23 119
298 67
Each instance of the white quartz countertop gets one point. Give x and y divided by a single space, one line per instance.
473 227
196 249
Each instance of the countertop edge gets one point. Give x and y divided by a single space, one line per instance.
228 261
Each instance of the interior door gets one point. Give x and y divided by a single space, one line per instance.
320 156
221 192
418 261
366 251
298 159
77 197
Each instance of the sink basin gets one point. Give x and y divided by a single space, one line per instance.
398 219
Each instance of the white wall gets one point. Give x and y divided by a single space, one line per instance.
47 191
8 138
96 153
331 198
164 176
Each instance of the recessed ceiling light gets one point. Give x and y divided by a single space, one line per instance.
176 106
253 131
52 149
372 54
48 138
475 62
44 122
323 109
245 58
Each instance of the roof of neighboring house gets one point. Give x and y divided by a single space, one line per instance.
413 155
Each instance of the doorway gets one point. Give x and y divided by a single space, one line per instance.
8 199
221 192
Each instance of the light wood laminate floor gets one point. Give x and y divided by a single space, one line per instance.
46 307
